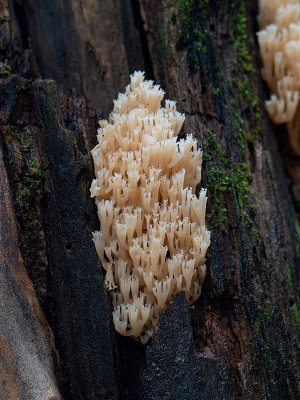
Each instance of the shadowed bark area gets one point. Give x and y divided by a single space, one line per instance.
242 338
93 45
49 166
27 352
173 370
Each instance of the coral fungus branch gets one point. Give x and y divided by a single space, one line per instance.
153 239
279 42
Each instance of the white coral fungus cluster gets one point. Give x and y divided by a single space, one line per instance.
153 239
279 42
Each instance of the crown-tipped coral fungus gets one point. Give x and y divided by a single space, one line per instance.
279 42
153 238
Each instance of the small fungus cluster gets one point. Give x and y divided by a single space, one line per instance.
279 42
153 238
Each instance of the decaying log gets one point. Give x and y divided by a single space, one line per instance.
243 336
49 165
27 352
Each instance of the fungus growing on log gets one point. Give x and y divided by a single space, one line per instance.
153 238
279 42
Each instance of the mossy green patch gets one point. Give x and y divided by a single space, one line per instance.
240 37
34 173
214 90
225 176
26 144
193 14
240 187
36 169
11 130
27 203
247 91
200 37
47 190
185 9
24 196
5 70
245 59
14 158
218 181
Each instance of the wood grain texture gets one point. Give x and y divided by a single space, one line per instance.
246 324
244 315
27 352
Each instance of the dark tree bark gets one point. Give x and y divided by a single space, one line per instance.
241 339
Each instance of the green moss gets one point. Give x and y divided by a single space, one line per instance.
268 315
34 173
246 90
24 139
218 181
240 185
185 10
225 176
244 85
24 196
215 91
46 189
11 130
240 37
14 159
26 144
179 360
36 169
200 37
5 70
193 13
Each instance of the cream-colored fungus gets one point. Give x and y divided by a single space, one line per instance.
279 42
153 238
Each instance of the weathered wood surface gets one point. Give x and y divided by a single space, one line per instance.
27 352
49 166
246 322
